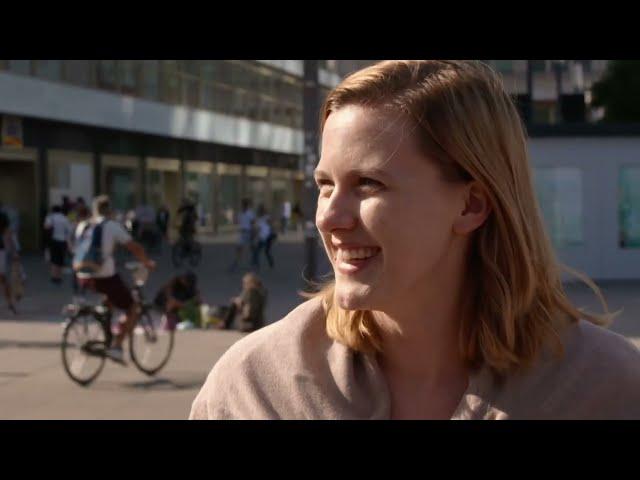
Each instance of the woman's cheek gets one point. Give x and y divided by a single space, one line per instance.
377 215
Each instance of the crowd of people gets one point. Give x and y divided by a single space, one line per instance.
68 223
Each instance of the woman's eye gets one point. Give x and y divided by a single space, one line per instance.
369 183
323 185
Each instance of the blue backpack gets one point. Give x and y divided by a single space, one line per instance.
88 252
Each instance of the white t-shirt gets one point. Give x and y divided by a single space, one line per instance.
245 219
286 210
112 234
61 226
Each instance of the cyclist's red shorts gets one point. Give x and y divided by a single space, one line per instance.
114 288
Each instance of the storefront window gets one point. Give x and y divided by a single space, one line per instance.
229 177
199 188
70 175
559 191
164 183
629 207
120 180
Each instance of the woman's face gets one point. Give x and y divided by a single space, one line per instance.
385 215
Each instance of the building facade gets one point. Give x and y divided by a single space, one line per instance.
152 132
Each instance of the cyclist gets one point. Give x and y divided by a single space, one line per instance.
106 280
188 220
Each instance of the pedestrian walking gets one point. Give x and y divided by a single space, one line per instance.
266 235
60 236
246 221
286 217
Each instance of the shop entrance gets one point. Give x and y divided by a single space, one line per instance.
19 192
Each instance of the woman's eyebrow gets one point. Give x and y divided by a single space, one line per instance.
374 171
363 172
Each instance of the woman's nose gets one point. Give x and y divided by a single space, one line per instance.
335 212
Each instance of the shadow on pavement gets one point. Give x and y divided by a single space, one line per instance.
28 344
155 384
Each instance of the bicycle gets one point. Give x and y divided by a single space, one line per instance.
186 248
87 335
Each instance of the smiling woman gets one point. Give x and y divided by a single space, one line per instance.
447 300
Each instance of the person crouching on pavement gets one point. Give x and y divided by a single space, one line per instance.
180 292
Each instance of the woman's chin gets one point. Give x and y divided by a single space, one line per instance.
353 297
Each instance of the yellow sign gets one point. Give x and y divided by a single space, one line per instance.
12 131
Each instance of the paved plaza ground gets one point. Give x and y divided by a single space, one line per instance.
33 384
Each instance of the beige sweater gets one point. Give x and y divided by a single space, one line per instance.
293 370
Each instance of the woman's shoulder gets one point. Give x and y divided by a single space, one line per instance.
597 376
253 377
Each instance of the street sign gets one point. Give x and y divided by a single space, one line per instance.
12 131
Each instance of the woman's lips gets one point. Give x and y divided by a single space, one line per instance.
352 260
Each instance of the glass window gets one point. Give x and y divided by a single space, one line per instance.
171 82
199 187
121 188
629 207
48 69
70 174
539 65
503 66
191 91
150 77
129 72
229 198
559 191
107 74
22 67
79 72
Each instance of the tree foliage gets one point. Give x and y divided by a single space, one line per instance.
618 91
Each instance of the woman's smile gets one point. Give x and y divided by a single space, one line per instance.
351 260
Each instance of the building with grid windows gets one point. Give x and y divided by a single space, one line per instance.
152 132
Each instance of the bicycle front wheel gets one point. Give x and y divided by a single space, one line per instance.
151 343
84 342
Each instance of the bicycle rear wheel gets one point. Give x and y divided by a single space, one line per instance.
151 343
84 342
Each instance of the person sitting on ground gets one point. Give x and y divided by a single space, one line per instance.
248 306
180 292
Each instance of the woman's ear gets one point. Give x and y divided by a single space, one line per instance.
476 210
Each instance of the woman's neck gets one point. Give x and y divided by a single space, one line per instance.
420 336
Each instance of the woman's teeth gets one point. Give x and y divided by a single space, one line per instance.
356 253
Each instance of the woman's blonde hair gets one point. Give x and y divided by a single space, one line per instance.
469 125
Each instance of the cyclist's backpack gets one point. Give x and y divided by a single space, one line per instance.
88 251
